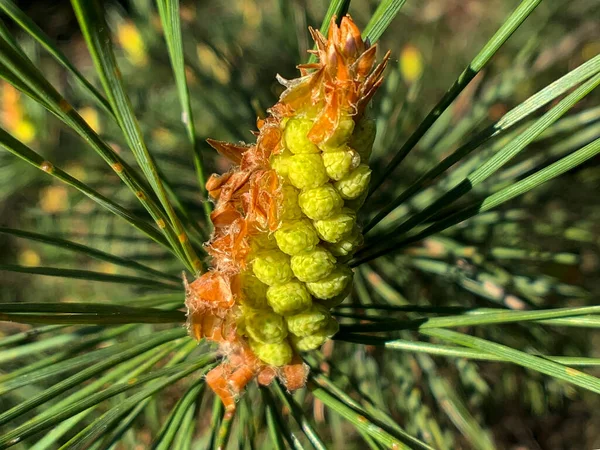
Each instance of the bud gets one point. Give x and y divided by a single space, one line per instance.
336 227
265 327
347 245
294 230
313 265
340 162
320 202
296 237
289 298
314 341
332 285
307 171
355 183
296 139
272 267
290 210
310 321
281 163
277 355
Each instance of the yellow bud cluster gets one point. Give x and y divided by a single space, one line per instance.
298 272
285 220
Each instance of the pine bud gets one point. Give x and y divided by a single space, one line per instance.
315 340
340 162
280 242
310 321
296 237
320 202
272 267
289 298
347 245
307 171
355 183
290 210
313 265
281 163
336 227
295 136
333 284
266 326
278 354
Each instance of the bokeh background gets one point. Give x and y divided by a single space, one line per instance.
234 49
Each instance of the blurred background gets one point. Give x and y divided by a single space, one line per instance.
234 49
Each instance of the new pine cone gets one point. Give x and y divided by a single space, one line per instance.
285 219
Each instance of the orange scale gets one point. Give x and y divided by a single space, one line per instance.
235 186
217 381
294 375
241 377
224 215
212 290
266 376
233 152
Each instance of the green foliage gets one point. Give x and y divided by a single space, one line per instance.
473 293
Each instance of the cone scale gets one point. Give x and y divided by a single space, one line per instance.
285 220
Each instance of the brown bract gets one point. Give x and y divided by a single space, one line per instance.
247 199
341 83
